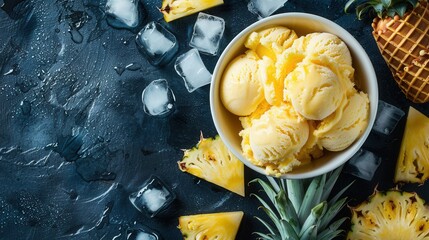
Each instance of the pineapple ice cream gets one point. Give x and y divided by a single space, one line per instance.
276 136
305 102
324 44
271 42
314 90
341 129
242 74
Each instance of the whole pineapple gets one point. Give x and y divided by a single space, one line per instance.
401 30
301 208
390 215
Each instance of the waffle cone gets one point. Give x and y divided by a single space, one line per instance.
404 45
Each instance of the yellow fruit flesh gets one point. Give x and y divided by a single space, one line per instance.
174 9
212 226
391 215
213 162
413 159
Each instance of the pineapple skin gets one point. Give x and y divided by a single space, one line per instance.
211 226
174 9
404 45
390 215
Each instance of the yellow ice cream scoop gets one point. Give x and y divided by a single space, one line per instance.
311 149
273 86
324 44
271 42
341 129
276 136
241 91
314 90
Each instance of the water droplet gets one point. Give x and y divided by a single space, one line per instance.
26 85
13 71
75 35
25 107
119 70
133 66
104 220
125 41
73 194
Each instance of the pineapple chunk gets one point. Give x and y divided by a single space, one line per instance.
174 9
219 226
213 162
390 215
413 159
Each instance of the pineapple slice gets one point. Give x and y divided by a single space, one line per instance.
390 215
413 159
174 9
219 226
213 162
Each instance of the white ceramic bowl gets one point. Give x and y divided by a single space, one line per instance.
228 125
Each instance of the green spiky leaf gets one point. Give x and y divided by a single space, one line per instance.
267 225
311 197
310 216
314 217
266 236
267 188
382 8
332 212
295 190
400 8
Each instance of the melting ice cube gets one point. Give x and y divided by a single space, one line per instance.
124 13
141 232
191 68
363 164
264 8
157 43
153 197
208 31
387 118
158 99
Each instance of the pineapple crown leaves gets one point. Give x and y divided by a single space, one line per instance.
382 8
300 214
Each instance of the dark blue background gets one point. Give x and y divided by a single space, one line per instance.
62 96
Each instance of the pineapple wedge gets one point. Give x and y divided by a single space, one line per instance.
213 162
174 9
413 159
390 215
219 226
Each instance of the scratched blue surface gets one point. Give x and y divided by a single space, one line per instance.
75 141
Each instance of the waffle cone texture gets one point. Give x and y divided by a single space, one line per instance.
404 45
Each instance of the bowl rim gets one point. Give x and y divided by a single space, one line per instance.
359 53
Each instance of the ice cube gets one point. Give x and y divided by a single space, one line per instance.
158 99
208 31
153 197
156 43
387 118
363 164
191 68
140 232
124 13
264 8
